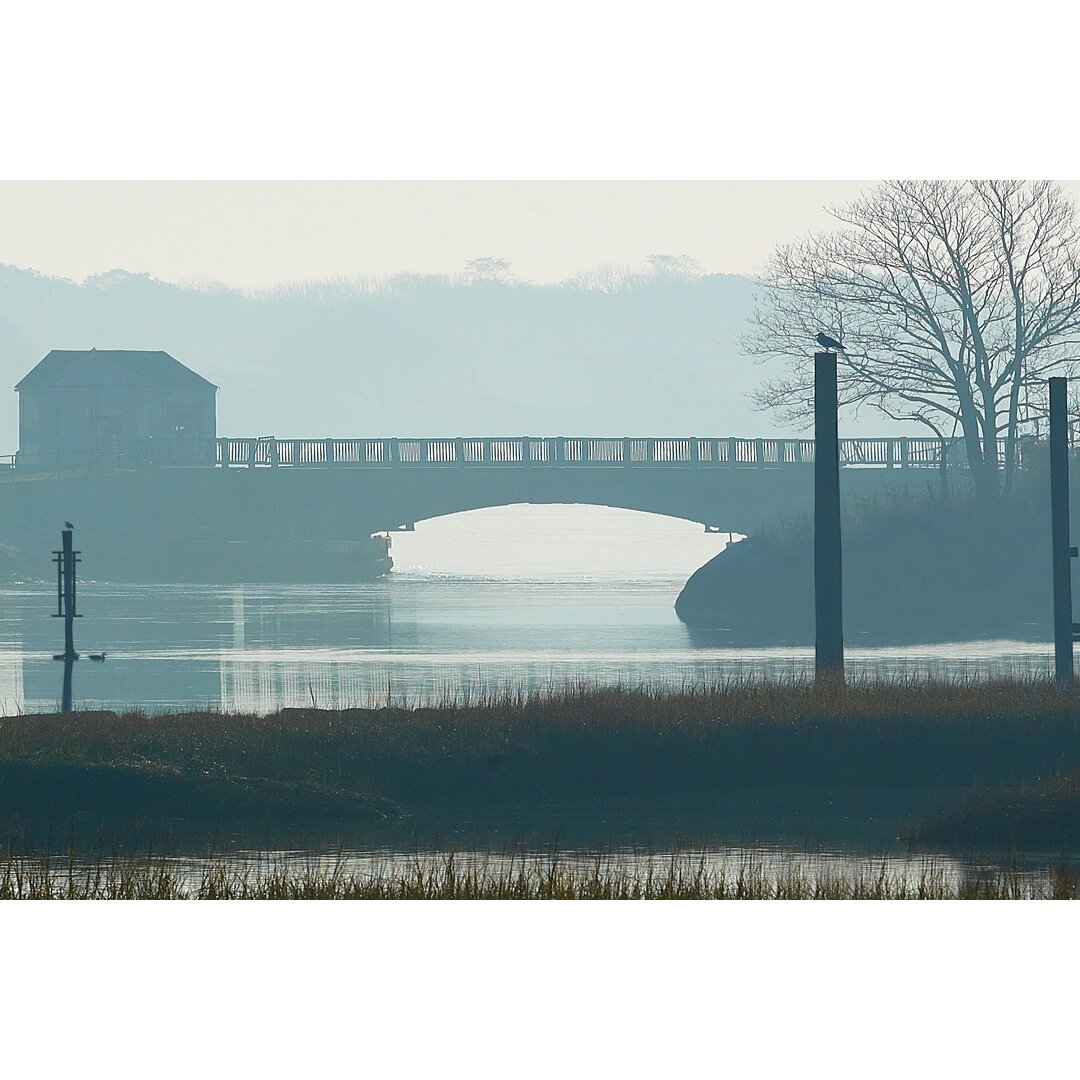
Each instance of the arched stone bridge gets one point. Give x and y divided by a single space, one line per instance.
726 484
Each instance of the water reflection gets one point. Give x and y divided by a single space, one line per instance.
412 638
11 676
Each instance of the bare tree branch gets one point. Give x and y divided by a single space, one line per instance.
957 300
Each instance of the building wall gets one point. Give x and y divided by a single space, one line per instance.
73 426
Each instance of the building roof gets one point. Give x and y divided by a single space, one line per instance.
112 367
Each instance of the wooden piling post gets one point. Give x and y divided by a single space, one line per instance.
1061 550
828 598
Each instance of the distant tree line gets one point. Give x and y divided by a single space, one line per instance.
614 351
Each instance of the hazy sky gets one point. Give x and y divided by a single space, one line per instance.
262 232
257 233
484 89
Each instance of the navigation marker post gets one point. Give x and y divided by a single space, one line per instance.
828 599
65 560
1062 552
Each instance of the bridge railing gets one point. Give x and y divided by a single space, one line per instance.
889 453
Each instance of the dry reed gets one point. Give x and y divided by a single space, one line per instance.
447 877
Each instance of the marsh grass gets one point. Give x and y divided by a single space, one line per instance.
450 877
318 741
550 747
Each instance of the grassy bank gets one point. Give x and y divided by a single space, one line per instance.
580 747
448 878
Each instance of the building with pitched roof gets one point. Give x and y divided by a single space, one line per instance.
101 407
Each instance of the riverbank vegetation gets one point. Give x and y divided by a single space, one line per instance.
918 567
740 745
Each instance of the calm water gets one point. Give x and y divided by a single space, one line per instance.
519 596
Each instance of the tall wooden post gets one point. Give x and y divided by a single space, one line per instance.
1061 552
828 597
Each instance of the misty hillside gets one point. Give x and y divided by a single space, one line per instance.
612 353
648 354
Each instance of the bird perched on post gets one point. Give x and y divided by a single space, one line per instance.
828 343
68 525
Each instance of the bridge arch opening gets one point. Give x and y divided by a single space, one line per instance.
565 541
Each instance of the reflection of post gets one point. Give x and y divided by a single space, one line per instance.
238 638
65 705
1059 532
828 606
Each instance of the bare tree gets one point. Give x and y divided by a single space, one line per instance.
955 301
606 278
675 267
488 268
